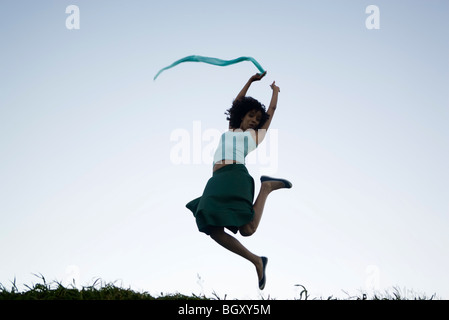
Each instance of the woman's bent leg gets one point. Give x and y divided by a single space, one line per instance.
233 245
265 189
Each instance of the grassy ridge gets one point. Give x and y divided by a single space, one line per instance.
100 290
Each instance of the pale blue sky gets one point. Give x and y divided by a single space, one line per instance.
87 182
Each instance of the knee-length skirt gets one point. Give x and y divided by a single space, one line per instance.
227 200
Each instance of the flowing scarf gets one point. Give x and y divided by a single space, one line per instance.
214 61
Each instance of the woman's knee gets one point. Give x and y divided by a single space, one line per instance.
216 232
247 230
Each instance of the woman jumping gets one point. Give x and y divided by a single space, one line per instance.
227 200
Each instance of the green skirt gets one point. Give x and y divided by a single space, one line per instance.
227 200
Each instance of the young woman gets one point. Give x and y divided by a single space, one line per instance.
227 200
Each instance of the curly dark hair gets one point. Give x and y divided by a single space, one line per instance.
240 107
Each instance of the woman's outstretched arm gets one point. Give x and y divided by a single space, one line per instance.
255 77
271 109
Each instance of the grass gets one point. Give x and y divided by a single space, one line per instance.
100 290
393 294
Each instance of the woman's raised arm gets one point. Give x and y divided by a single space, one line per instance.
255 77
271 109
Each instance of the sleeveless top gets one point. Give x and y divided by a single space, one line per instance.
234 146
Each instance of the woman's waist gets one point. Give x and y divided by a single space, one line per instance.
226 163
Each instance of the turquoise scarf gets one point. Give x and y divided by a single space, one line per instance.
214 61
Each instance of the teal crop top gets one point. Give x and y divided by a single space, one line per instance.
234 146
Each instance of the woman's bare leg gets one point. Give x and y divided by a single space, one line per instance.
265 189
233 245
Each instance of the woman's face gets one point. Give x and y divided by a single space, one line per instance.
251 120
